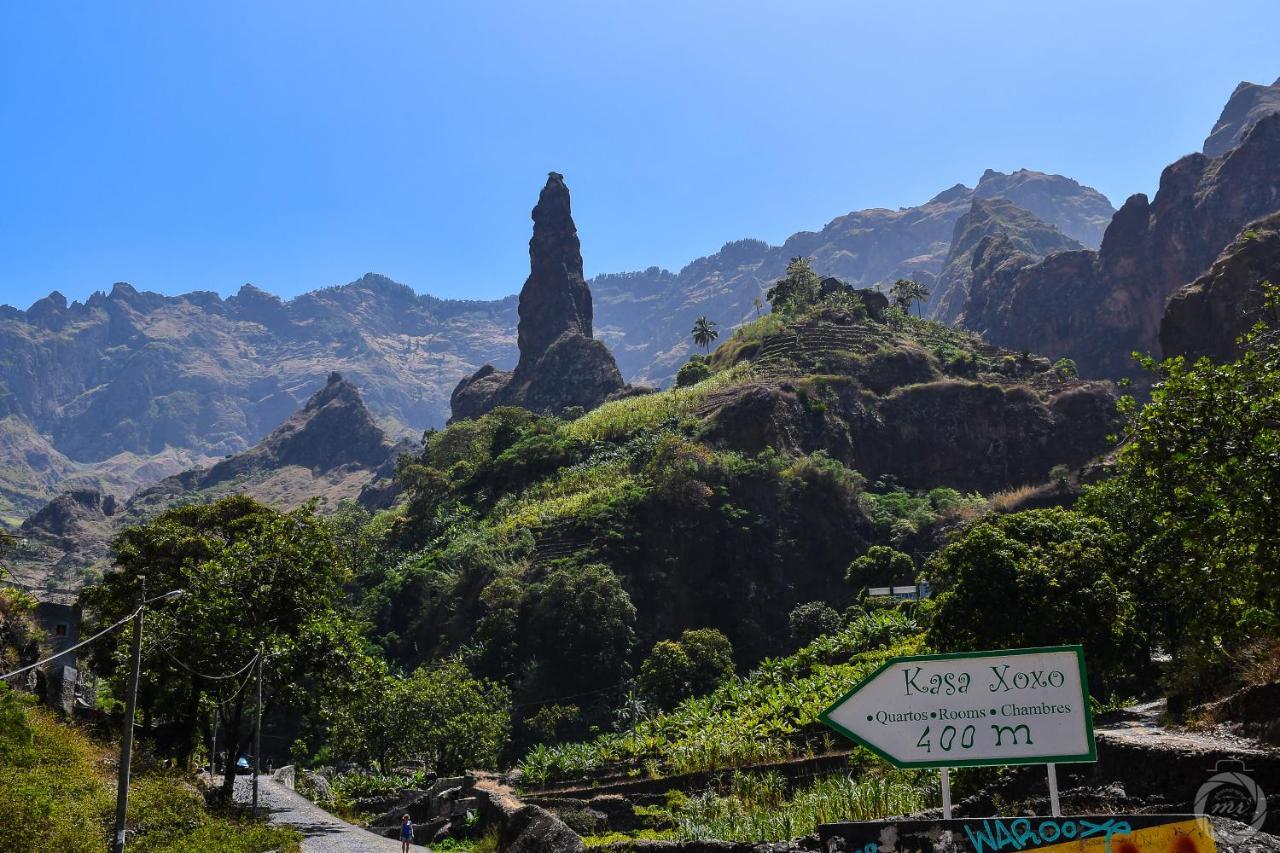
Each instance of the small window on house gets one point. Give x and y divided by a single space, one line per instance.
60 630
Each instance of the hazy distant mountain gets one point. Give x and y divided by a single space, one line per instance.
645 317
130 387
330 450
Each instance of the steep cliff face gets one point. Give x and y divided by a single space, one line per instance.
561 364
1097 307
988 218
1208 316
1248 104
644 317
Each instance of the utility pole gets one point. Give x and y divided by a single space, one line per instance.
257 736
130 708
213 747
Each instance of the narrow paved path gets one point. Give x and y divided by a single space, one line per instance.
322 832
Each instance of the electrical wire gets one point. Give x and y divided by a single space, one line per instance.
251 662
81 644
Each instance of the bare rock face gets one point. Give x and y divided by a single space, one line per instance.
1248 103
561 364
1098 307
1023 231
963 434
1208 316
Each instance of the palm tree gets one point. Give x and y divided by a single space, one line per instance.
905 292
704 332
758 305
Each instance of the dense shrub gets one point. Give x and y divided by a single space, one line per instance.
692 372
811 620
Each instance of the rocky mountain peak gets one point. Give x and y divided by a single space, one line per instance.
1247 105
555 298
333 429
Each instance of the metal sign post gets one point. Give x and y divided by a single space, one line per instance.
1054 808
946 793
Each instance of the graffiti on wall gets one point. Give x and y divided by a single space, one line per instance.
1084 834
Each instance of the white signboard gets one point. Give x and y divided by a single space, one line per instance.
1018 706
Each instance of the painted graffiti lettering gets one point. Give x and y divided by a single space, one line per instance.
944 683
1018 834
1032 679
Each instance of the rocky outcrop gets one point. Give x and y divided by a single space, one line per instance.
1208 316
561 364
65 516
331 448
1098 307
1021 230
1248 104
965 435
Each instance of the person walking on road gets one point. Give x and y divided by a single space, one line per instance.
406 834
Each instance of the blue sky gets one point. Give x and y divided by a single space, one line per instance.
184 146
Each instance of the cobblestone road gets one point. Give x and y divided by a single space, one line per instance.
323 833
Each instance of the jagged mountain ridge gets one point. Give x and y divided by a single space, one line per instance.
129 387
1208 316
1098 307
644 317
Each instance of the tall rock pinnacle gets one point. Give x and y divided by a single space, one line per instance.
561 364
555 298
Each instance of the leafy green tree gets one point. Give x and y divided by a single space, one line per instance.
456 722
255 580
811 620
583 625
664 675
1195 489
710 658
798 289
704 332
1038 578
880 566
1065 368
696 664
440 714
905 292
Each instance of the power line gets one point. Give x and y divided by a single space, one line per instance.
73 648
241 670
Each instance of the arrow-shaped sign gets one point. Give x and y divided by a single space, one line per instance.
1017 706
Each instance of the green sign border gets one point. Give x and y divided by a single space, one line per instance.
1091 755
